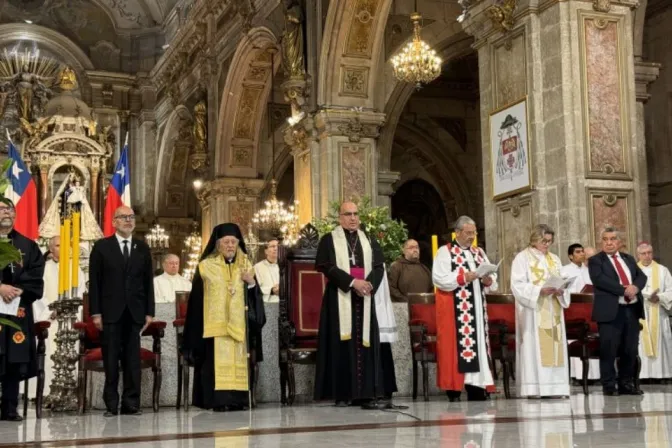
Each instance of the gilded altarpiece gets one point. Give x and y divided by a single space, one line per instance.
612 208
515 218
605 97
355 165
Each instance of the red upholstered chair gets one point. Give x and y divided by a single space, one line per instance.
502 329
91 355
42 332
422 328
301 290
181 300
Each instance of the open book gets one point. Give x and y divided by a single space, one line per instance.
559 282
11 308
487 269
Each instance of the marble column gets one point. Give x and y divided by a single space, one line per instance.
346 156
229 199
574 63
94 191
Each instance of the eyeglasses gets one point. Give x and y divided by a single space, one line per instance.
9 210
127 218
546 242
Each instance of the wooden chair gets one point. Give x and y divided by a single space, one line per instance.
301 290
586 345
422 327
42 332
502 335
91 355
181 300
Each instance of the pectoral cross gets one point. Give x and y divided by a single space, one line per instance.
352 258
20 263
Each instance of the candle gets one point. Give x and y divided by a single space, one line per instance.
435 246
65 257
75 249
60 265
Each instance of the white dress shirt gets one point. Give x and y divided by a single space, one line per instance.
121 240
626 269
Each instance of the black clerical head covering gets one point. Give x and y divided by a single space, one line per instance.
220 231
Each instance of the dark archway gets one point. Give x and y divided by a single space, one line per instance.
418 205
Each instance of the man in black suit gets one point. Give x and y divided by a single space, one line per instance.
121 296
617 282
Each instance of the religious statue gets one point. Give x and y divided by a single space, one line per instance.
292 40
67 79
70 194
26 83
200 130
35 132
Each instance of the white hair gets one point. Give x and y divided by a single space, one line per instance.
610 229
644 245
462 221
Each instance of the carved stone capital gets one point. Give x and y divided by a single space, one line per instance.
240 189
602 5
645 74
386 181
353 124
199 162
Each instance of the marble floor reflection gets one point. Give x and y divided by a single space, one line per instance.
593 421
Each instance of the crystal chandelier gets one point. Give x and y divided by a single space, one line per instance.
157 237
274 216
192 246
417 63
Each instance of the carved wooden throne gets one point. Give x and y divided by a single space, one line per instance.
301 289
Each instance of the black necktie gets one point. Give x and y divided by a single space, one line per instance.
127 254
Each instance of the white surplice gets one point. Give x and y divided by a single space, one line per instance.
41 312
268 275
661 366
582 276
532 378
445 279
387 323
166 285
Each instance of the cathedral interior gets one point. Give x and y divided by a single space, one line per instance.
207 93
225 103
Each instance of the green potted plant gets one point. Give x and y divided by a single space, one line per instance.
8 253
390 233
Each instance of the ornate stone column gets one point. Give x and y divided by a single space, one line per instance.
94 191
346 163
386 181
574 63
229 199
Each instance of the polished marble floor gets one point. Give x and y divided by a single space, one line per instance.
593 421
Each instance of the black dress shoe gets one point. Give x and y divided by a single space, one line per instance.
630 391
370 405
131 411
454 395
110 414
12 418
610 393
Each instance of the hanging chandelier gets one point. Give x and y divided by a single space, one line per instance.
157 238
274 217
417 63
192 246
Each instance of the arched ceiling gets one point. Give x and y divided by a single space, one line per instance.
122 14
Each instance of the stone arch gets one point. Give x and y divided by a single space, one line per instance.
350 56
243 104
166 155
443 167
455 46
50 40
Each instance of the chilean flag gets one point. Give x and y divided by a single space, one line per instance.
23 193
119 191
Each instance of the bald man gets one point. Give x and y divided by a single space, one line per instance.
170 282
121 302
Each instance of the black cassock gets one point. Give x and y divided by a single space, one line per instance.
18 359
201 351
346 370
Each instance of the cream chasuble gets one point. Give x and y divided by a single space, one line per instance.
224 318
655 342
345 298
541 342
